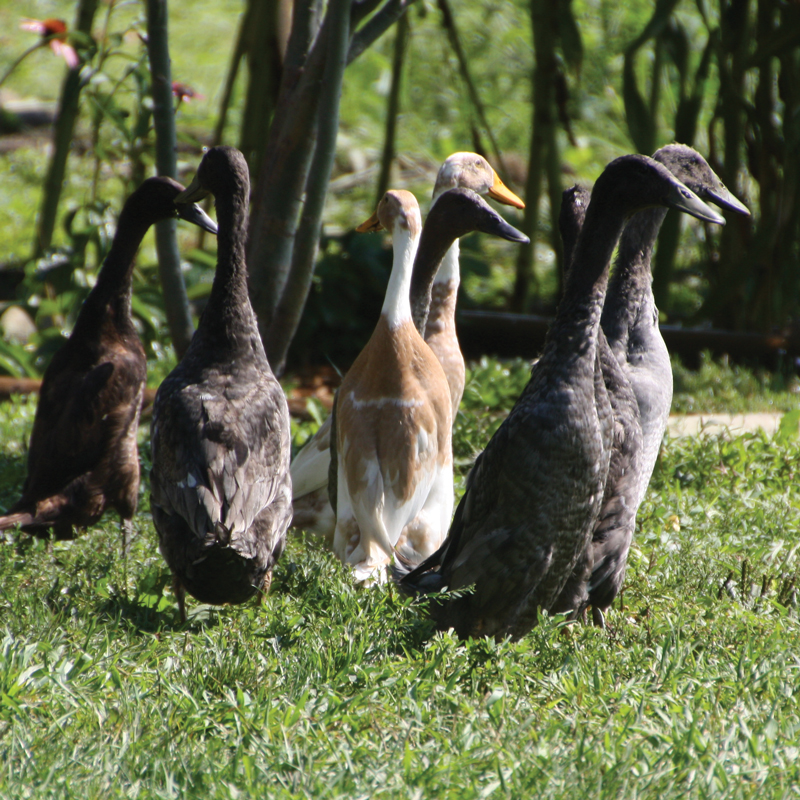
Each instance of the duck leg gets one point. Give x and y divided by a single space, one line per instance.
180 594
598 618
265 584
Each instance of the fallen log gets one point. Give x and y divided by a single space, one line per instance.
507 335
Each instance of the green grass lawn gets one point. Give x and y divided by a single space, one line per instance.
326 690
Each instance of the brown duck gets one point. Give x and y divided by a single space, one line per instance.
83 456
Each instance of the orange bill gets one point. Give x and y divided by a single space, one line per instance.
500 192
371 225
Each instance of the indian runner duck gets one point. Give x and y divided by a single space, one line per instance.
534 494
220 484
630 323
312 508
83 457
617 517
399 490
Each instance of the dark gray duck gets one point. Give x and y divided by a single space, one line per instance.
630 316
617 518
630 319
630 322
220 485
534 494
83 457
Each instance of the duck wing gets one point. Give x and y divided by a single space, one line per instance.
83 411
226 451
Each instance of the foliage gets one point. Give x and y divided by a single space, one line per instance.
719 386
330 691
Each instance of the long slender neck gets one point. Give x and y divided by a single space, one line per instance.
111 294
631 281
396 304
433 245
574 331
449 270
228 318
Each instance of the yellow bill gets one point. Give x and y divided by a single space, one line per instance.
372 225
500 192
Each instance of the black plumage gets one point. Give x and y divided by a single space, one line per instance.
83 456
600 569
220 485
534 494
630 322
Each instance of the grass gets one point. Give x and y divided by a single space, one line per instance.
330 691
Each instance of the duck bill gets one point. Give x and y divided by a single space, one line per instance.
194 214
724 199
686 200
500 192
192 193
497 226
372 225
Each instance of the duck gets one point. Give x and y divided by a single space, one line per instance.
310 467
468 171
393 415
83 456
617 517
393 419
533 496
630 324
220 483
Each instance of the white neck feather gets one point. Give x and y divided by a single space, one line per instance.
396 304
449 269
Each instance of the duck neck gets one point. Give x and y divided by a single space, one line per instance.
630 285
396 304
228 318
444 293
111 296
574 331
434 244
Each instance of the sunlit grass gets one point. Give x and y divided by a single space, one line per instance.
326 690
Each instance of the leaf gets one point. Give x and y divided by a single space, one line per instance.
789 426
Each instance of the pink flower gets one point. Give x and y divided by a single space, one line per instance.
185 92
53 33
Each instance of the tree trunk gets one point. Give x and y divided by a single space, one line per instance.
541 133
304 254
68 108
265 39
393 107
176 302
288 150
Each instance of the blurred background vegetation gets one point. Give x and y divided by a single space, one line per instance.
548 90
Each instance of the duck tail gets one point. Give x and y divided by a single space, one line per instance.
21 518
415 579
46 514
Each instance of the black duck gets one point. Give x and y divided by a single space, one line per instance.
534 494
220 485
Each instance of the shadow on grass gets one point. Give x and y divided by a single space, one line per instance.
13 469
